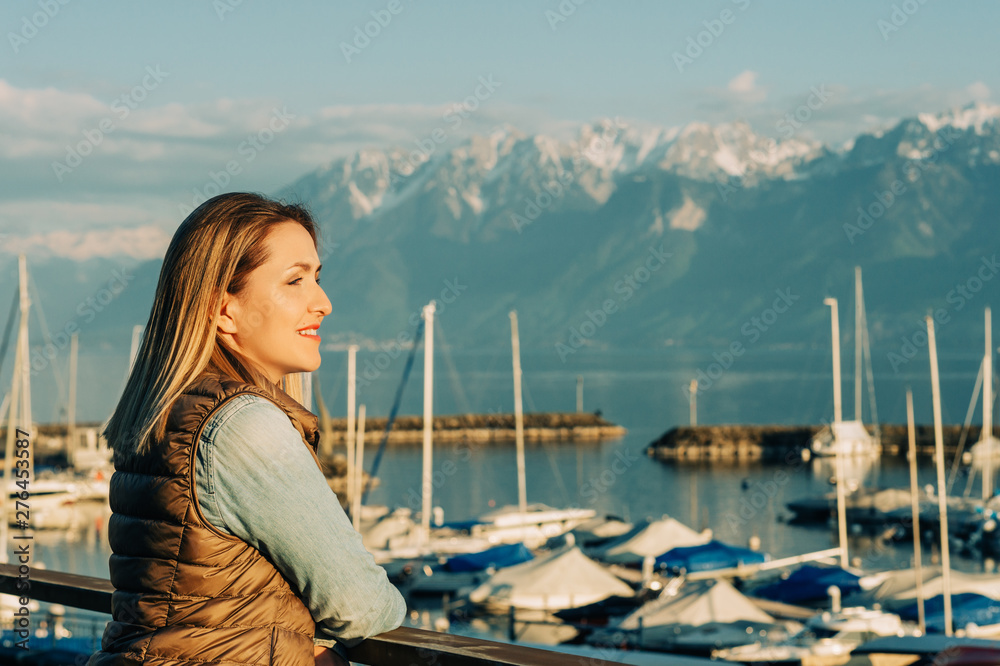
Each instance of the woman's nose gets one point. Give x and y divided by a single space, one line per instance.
323 302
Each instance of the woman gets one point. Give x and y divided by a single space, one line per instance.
228 544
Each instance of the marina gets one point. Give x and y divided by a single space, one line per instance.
715 565
695 493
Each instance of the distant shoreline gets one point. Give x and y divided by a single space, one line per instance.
538 427
782 443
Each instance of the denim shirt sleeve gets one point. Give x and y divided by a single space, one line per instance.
256 480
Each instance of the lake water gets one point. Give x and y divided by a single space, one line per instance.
643 392
736 501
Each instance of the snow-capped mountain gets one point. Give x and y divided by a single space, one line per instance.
486 176
655 236
739 209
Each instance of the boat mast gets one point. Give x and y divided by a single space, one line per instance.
693 402
358 490
352 354
515 343
857 344
579 394
20 397
835 330
425 516
134 351
918 557
326 441
941 488
988 410
22 338
837 416
71 443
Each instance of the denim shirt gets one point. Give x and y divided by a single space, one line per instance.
256 480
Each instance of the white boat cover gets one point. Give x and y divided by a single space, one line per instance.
983 449
379 535
899 588
850 437
599 528
565 579
698 603
650 539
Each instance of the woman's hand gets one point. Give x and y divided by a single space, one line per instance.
327 657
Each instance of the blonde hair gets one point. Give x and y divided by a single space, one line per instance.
213 252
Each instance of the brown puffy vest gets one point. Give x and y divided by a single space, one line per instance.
185 592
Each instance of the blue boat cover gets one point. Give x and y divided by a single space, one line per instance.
707 557
809 583
966 608
498 557
463 525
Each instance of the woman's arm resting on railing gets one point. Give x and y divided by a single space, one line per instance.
327 657
267 489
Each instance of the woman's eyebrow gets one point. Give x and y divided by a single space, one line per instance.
305 265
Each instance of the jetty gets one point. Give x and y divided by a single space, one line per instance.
501 428
538 427
780 443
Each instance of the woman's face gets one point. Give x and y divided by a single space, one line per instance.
274 320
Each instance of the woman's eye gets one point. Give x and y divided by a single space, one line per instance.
295 281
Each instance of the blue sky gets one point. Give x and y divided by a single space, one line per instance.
226 69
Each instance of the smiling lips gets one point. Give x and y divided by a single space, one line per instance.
310 332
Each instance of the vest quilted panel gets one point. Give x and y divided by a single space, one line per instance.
184 592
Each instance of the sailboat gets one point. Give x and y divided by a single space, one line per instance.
849 438
49 498
397 538
531 524
985 454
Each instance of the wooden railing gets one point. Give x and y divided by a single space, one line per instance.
399 646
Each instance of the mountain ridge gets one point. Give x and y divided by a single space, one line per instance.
562 231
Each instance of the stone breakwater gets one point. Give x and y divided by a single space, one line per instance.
538 427
546 426
780 443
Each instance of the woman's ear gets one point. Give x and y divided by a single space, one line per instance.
226 320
